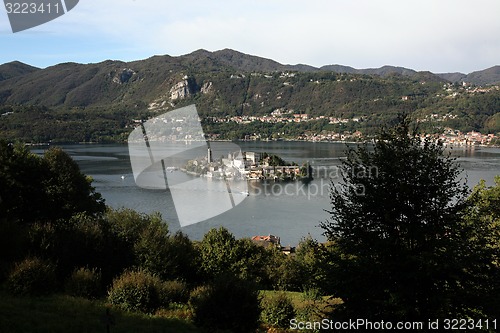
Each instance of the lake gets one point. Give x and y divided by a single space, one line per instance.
290 210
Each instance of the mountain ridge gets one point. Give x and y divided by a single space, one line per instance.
248 63
15 68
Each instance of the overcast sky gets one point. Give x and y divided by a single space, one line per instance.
435 35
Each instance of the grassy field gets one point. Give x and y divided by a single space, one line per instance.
307 307
300 299
59 313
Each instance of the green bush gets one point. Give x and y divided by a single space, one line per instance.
277 311
310 311
228 303
315 308
136 291
84 282
173 292
32 276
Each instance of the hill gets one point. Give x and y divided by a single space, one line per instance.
247 63
453 77
382 71
15 68
484 77
102 101
487 76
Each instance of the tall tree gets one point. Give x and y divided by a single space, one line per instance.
21 192
218 251
397 225
221 253
67 189
35 188
483 219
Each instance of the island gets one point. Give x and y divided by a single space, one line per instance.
247 166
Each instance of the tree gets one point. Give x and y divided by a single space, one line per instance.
218 252
305 270
226 303
396 222
34 188
221 253
81 241
21 192
67 189
310 257
146 243
168 256
250 258
483 219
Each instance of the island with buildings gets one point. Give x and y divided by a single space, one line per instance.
246 166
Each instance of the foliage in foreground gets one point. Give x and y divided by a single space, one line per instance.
84 282
483 221
136 291
226 303
402 247
62 314
32 277
34 188
277 311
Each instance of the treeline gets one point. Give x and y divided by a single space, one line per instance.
40 124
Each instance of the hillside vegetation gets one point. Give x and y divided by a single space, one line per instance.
104 101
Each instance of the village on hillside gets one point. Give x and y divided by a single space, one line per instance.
449 136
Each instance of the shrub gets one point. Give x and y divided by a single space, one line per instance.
228 303
310 311
84 282
173 292
176 311
277 311
32 276
136 291
13 245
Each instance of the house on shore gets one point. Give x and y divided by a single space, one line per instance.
272 241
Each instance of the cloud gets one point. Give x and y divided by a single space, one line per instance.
445 35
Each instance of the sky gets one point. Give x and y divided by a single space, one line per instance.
434 35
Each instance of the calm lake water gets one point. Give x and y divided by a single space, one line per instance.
289 210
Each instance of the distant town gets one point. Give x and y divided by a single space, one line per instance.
448 136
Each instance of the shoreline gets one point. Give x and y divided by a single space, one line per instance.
445 144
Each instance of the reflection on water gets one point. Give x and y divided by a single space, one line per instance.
288 210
